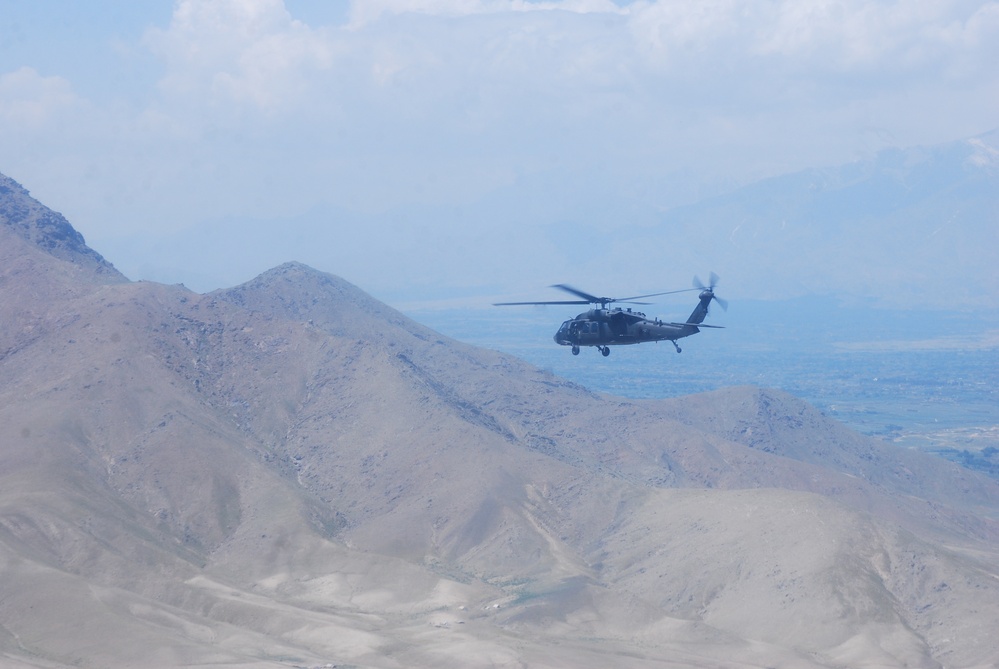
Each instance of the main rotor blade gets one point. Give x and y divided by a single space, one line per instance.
593 299
518 304
587 298
590 299
638 297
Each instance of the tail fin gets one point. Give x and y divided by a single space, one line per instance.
701 310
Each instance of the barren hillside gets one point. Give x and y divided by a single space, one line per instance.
290 473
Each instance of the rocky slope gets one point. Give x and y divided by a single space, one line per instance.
289 473
48 230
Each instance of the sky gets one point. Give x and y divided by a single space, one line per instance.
447 149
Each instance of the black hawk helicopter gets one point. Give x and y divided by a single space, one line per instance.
602 327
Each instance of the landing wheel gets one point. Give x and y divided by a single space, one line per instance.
575 350
678 349
605 351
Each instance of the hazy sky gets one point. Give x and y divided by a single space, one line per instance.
428 137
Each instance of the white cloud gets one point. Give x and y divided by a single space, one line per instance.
814 35
239 51
363 12
444 60
29 101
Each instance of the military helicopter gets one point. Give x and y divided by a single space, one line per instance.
602 327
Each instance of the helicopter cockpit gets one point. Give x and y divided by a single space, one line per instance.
576 331
568 333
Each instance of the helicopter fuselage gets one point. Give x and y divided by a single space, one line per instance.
618 327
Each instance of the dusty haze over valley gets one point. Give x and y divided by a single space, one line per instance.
289 473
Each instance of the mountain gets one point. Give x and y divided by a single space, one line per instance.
290 473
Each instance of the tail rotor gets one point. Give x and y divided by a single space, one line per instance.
709 290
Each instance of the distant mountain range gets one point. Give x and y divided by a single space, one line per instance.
910 227
289 473
907 228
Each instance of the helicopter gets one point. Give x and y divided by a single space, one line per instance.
602 327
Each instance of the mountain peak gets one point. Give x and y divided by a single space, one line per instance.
298 292
49 231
